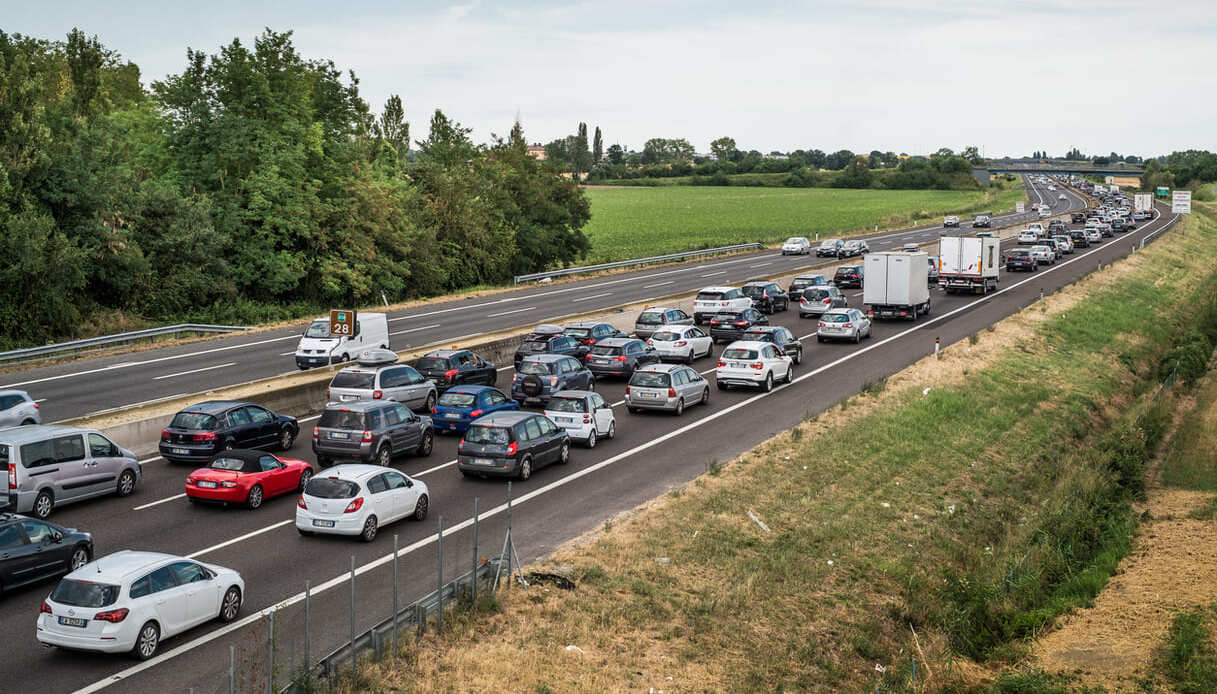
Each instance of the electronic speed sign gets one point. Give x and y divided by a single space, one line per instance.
342 322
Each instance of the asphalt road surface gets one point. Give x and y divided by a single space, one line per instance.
651 454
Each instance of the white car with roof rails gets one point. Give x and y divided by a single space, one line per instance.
1027 237
131 601
714 300
584 414
753 365
681 343
796 245
378 376
357 500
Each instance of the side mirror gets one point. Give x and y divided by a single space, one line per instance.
57 538
409 483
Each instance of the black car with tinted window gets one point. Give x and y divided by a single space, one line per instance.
200 431
1078 236
549 339
778 335
727 326
590 332
511 444
801 282
619 356
767 297
1020 260
33 549
848 276
455 367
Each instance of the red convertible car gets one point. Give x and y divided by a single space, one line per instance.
246 477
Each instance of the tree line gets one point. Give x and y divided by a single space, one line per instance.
255 184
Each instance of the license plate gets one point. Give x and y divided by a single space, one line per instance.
339 435
483 461
207 485
322 523
739 365
348 398
652 396
452 415
73 622
566 419
180 451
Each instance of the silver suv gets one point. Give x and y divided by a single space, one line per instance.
666 387
17 408
379 377
48 465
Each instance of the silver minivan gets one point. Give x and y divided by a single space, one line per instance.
49 465
379 377
666 387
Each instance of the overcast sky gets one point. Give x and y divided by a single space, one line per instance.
1010 76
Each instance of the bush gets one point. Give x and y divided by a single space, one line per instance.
1189 358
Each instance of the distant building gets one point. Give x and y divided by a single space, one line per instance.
537 150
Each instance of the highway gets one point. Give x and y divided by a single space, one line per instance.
651 454
92 386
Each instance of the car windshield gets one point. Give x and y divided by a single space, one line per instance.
847 270
341 419
759 336
605 350
727 317
650 379
484 434
794 240
665 336
534 368
567 405
835 318
331 488
451 399
754 291
578 333
1020 253
84 593
353 379
432 364
318 328
709 296
653 317
805 281
229 464
739 353
194 420
829 243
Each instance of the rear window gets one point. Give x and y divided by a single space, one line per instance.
432 364
353 379
484 434
451 399
230 464
331 488
724 317
710 296
1020 252
567 405
835 318
194 420
760 336
578 333
654 317
738 353
3 455
534 345
754 291
84 593
341 419
605 350
665 336
815 293
534 368
650 379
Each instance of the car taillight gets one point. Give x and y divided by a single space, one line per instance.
741 322
511 448
823 324
45 608
619 357
590 341
627 389
377 394
300 502
681 343
723 304
327 393
721 364
205 436
112 616
848 325
449 373
36 407
189 480
553 380
164 434
229 484
315 433
671 392
803 300
12 476
650 341
354 505
757 365
587 419
713 322
826 301
367 436
475 414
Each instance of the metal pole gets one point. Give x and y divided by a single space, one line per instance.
473 581
232 670
352 615
1041 293
270 659
439 578
394 594
308 663
509 541
937 341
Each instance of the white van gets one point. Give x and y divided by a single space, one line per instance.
318 348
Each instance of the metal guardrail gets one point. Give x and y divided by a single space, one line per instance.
1165 227
636 261
106 340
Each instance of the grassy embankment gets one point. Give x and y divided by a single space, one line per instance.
937 522
640 222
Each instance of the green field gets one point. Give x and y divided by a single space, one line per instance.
638 222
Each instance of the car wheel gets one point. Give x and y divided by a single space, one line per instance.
705 396
345 357
591 438
768 385
427 406
525 469
80 557
384 456
427 444
126 483
631 410
689 357
680 407
305 476
790 375
43 504
857 336
612 432
147 641
229 445
28 422
798 356
231 604
721 386
369 529
421 507
254 500
323 461
564 454
591 384
286 439
819 338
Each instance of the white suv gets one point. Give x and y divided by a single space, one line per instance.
753 364
714 300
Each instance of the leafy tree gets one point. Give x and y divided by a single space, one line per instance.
597 147
875 160
972 154
616 154
661 150
857 174
838 160
723 149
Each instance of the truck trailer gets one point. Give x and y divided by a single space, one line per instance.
897 285
968 264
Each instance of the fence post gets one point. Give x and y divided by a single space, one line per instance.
308 663
352 616
270 658
394 594
473 581
420 619
439 551
232 670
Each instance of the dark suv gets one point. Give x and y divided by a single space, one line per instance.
507 444
200 431
1019 259
1078 217
766 296
729 325
801 282
370 432
549 339
33 549
848 276
619 356
588 332
1078 236
455 367
540 376
778 335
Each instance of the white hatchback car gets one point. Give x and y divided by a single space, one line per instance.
1043 255
131 601
682 343
796 245
584 415
358 499
1027 238
753 364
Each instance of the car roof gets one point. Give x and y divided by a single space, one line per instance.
14 391
571 394
504 419
658 308
617 341
547 358
809 276
214 406
660 368
716 289
764 329
759 283
249 458
586 324
121 565
352 472
748 344
33 432
444 352
474 390
356 405
841 311
547 329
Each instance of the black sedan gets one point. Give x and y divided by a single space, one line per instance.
727 326
200 431
848 276
590 332
778 335
32 549
1020 260
456 367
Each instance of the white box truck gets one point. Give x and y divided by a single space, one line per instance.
897 284
318 347
968 264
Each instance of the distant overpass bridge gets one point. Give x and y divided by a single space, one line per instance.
982 173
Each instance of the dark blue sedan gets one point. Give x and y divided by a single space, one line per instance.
459 406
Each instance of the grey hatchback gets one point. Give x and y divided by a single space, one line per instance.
505 444
817 300
619 356
541 375
370 431
379 377
666 387
18 408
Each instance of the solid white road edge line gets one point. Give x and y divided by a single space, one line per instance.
195 371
